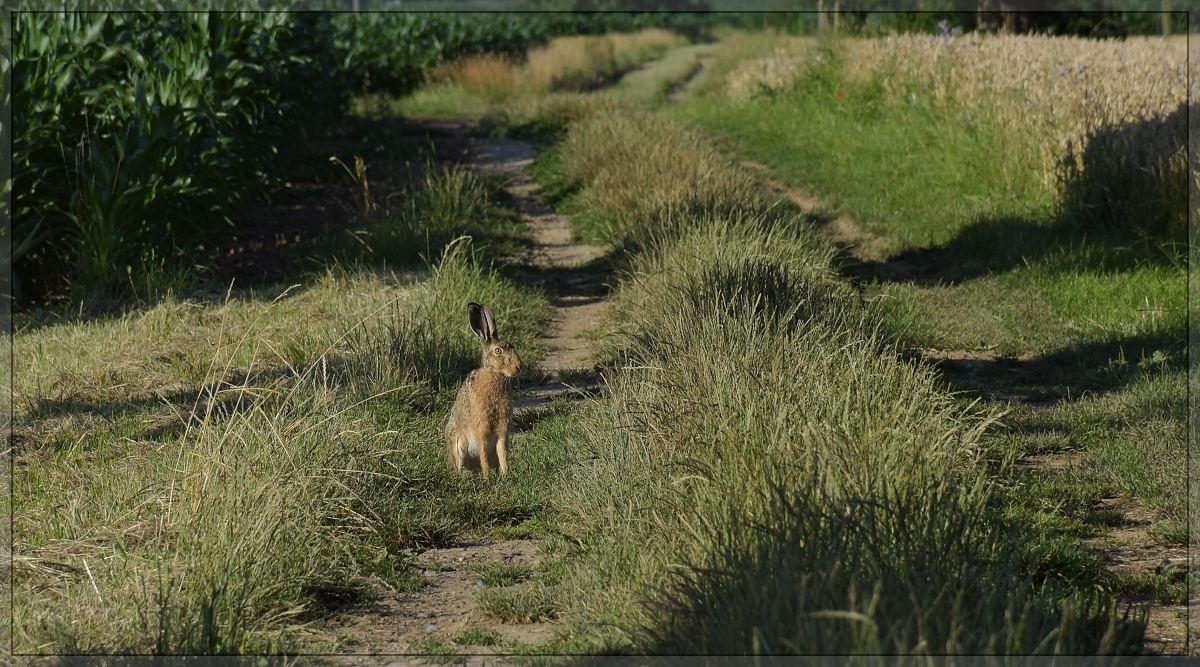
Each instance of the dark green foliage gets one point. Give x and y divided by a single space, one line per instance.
138 131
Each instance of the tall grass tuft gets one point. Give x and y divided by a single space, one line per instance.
920 572
679 176
441 203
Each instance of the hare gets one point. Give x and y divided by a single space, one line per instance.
482 411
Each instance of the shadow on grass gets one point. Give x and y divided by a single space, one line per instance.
999 245
1094 367
592 280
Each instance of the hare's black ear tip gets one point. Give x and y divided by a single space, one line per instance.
472 306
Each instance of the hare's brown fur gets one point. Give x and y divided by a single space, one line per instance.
482 413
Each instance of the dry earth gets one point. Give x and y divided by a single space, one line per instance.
1130 549
395 624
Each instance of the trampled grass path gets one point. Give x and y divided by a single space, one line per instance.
398 628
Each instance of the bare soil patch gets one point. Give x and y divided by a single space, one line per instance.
568 271
404 623
1131 550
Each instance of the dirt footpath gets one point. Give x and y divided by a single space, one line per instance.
430 620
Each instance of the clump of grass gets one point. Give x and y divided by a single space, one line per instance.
492 75
502 574
583 62
766 76
519 604
284 482
543 118
651 84
679 174
442 203
1165 588
914 572
479 638
436 649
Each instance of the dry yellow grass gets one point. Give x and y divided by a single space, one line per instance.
1061 89
488 74
567 63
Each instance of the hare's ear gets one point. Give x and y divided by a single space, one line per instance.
489 323
478 316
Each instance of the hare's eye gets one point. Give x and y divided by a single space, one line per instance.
497 352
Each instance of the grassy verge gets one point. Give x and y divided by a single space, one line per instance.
204 476
774 456
981 256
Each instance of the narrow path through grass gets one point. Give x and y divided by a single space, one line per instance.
456 610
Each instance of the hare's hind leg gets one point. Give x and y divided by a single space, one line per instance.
454 449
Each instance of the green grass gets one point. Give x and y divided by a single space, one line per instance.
962 204
1167 589
840 143
437 650
446 100
766 470
479 638
1120 443
650 85
976 255
519 604
226 470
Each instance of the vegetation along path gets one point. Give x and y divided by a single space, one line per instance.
1128 546
408 623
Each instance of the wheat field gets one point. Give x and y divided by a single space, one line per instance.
1107 118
